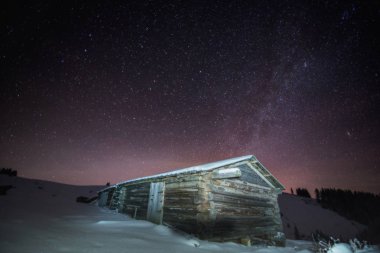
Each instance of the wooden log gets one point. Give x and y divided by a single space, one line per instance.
184 178
223 209
185 216
244 219
238 201
180 194
242 186
184 185
235 191
179 190
235 194
180 208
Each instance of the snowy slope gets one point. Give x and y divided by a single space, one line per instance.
39 216
308 216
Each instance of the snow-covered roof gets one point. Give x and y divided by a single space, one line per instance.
190 170
194 169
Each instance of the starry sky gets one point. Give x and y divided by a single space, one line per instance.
94 92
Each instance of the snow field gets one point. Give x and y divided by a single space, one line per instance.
39 216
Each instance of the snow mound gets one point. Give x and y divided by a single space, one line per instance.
340 248
307 216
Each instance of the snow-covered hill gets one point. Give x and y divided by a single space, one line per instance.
40 216
308 216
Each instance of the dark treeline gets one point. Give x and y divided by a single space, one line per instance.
302 192
8 171
362 207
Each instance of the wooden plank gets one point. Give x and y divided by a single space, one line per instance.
180 207
184 190
182 202
238 195
184 185
183 178
243 211
238 201
174 216
240 185
243 218
172 194
232 192
239 206
243 191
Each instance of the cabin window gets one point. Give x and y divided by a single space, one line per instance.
250 176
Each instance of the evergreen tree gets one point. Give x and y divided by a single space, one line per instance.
362 207
303 192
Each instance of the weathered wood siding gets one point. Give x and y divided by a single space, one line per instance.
224 209
242 210
135 196
186 205
249 176
263 171
182 201
244 207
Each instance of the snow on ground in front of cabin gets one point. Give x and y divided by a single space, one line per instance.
39 216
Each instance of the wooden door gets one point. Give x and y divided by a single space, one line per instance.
156 202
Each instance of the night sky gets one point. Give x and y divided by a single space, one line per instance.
103 92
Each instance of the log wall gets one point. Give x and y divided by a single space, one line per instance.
186 204
182 204
242 210
134 200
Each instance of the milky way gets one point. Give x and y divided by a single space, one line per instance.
97 92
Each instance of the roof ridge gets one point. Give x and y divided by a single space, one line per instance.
189 170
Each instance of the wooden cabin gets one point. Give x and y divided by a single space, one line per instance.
229 200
